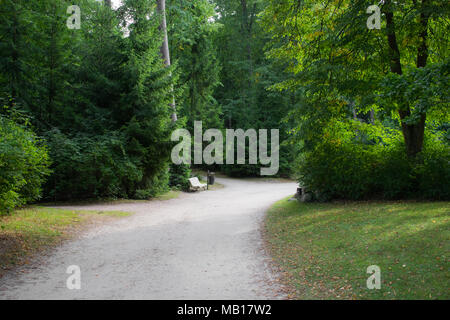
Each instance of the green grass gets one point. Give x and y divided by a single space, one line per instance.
169 195
325 249
29 230
172 194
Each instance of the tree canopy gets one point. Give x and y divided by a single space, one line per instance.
362 108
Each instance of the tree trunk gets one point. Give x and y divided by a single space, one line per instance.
247 25
422 51
165 47
15 58
413 134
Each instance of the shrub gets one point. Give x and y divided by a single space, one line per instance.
179 176
359 161
23 165
102 167
433 170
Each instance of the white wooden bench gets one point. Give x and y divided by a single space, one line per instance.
195 185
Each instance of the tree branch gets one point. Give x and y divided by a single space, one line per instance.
422 50
396 66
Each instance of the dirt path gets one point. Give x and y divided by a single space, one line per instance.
200 246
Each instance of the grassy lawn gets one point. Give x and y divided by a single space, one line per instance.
30 230
325 249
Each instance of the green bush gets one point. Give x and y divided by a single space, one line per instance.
250 170
179 176
106 166
359 161
433 170
23 165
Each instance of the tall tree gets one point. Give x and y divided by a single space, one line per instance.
192 28
99 97
13 53
165 45
337 62
246 75
412 132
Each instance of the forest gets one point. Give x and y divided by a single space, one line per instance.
88 112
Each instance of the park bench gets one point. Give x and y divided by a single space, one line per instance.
195 185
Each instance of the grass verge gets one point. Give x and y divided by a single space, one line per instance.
172 194
30 230
324 250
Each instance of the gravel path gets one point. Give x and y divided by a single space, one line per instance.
199 246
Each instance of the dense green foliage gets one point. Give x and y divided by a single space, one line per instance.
360 161
363 112
246 75
179 176
24 164
191 33
100 99
394 79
